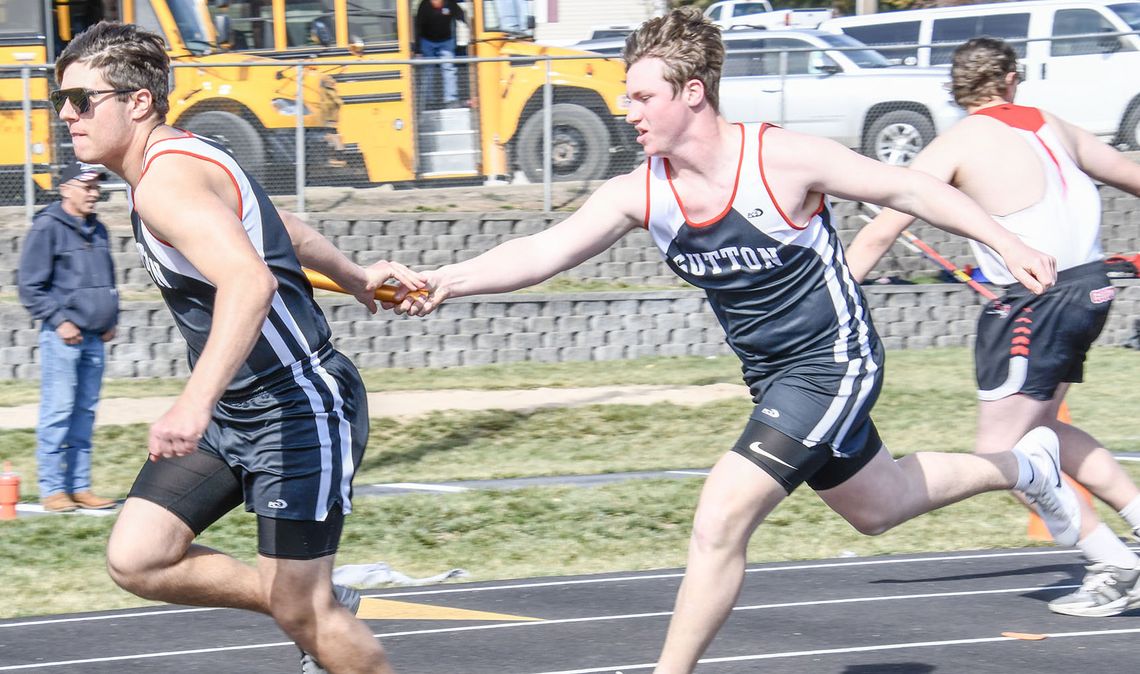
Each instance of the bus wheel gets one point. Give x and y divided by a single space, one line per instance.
580 149
234 133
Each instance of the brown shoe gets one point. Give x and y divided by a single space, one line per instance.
86 499
58 503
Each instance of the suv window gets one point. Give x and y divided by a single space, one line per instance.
947 34
715 14
767 62
1130 12
737 64
746 8
1078 22
797 60
899 33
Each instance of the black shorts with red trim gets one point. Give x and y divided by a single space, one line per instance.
1030 344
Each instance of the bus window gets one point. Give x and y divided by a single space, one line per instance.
15 19
251 22
308 23
372 21
146 18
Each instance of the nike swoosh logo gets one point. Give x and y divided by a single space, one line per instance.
755 449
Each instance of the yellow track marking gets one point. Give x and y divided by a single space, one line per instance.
386 609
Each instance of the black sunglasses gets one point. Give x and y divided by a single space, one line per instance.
80 98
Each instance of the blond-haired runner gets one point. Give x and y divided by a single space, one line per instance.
740 211
1031 170
271 414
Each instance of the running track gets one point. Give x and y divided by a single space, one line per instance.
916 614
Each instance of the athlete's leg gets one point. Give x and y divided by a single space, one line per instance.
736 497
301 602
151 554
999 423
1090 463
887 492
151 551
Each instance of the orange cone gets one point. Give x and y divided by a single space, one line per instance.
1037 530
9 492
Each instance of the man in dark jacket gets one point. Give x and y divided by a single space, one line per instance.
435 38
67 281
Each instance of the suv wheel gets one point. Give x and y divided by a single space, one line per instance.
1129 134
897 136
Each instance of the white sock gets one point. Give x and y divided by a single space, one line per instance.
1131 513
1025 471
1103 547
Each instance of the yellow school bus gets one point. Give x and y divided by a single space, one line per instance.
251 110
389 121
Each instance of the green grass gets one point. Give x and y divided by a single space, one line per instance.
55 564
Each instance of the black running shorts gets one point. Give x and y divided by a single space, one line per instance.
288 449
792 463
1030 343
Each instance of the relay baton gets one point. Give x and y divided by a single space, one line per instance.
385 293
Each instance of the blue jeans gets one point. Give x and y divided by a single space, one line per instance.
70 379
442 50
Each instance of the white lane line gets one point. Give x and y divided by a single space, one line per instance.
754 607
110 616
143 656
422 486
852 649
590 581
701 473
36 508
558 621
793 567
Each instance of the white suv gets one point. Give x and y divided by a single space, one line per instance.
1080 56
830 85
833 86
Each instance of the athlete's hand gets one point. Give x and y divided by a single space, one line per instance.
380 272
178 431
422 303
1034 269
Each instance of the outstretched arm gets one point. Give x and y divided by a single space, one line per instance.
876 238
617 207
828 167
318 253
1099 159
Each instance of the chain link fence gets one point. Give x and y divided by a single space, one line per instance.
537 118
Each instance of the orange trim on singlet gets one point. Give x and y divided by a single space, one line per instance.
648 173
731 199
1027 119
233 179
764 178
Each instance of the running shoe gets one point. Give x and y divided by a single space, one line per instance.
1052 497
1106 591
348 598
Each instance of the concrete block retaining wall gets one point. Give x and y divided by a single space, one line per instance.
545 326
551 327
434 239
